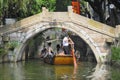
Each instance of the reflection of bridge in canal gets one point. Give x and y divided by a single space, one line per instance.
35 70
101 72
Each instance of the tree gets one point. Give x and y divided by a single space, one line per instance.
23 8
11 9
35 6
98 8
101 7
61 5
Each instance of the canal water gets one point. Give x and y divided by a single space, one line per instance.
37 70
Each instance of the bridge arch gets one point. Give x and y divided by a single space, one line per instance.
39 27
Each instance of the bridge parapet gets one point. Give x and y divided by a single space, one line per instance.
93 25
60 17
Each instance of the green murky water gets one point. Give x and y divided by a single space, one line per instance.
37 70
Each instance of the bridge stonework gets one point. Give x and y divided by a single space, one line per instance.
95 34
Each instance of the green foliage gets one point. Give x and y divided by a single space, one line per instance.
115 73
11 45
2 51
8 46
24 8
115 53
61 5
83 4
50 4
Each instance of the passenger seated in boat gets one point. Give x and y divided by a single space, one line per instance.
43 52
50 50
60 51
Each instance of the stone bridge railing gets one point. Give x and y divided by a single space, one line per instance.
58 17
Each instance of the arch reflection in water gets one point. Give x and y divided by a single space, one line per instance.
65 72
36 70
11 71
100 72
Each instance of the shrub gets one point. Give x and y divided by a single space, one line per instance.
115 53
2 51
12 45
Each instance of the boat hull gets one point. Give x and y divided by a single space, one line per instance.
60 60
66 59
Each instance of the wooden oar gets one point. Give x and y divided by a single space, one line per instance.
52 40
72 52
74 59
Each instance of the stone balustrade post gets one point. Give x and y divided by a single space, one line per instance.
117 31
70 11
44 11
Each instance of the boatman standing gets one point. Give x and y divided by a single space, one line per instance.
66 45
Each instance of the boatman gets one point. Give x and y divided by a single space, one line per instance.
66 45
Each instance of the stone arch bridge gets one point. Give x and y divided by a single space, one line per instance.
95 34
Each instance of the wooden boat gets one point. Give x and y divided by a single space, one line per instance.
59 60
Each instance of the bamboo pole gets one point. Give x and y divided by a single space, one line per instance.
72 52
